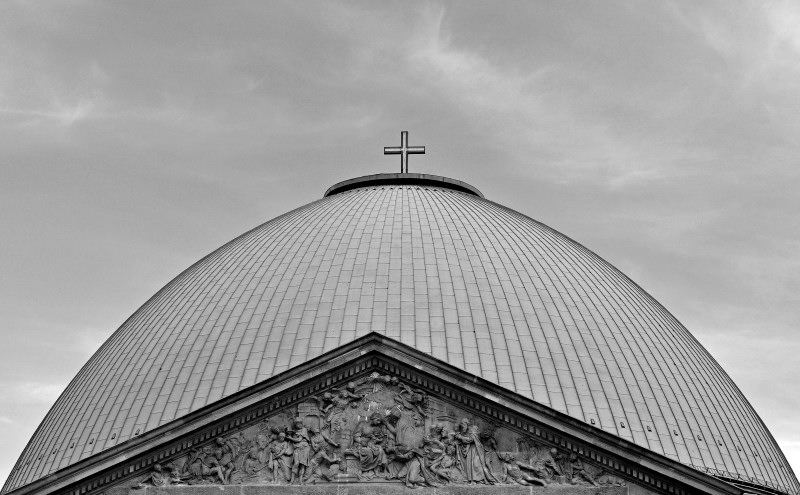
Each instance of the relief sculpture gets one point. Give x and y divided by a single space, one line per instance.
376 429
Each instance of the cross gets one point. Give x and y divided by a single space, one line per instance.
404 150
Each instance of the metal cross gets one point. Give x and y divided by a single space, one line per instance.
404 150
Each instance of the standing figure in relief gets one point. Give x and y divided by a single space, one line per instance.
262 446
301 451
278 458
473 457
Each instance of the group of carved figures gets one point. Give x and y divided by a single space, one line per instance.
458 456
386 444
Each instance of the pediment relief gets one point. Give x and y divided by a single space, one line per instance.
378 412
375 428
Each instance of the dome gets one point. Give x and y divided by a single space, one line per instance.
429 262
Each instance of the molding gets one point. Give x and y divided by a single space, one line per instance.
402 179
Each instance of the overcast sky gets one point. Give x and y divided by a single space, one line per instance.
137 137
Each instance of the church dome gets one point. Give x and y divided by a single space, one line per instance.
429 262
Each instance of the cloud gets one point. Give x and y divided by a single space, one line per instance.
5 420
467 76
58 113
526 112
30 392
783 19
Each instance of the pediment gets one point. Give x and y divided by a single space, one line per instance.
378 412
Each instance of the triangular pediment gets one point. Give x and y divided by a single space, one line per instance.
378 411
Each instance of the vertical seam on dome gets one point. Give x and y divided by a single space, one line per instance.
433 219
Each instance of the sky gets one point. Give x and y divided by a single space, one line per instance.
137 137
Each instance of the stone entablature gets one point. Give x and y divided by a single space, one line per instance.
378 489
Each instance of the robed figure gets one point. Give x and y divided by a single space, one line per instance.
472 455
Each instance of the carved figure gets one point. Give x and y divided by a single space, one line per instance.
540 471
339 402
326 402
432 444
390 428
378 382
300 458
449 438
412 470
279 455
319 440
414 400
446 466
350 391
324 465
488 440
372 459
225 453
411 432
321 462
472 455
262 447
157 477
513 471
578 472
203 464
251 468
372 428
251 465
176 476
556 462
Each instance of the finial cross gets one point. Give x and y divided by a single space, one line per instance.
404 150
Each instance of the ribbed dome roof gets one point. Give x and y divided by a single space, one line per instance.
468 281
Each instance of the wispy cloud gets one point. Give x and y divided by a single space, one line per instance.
60 114
30 392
